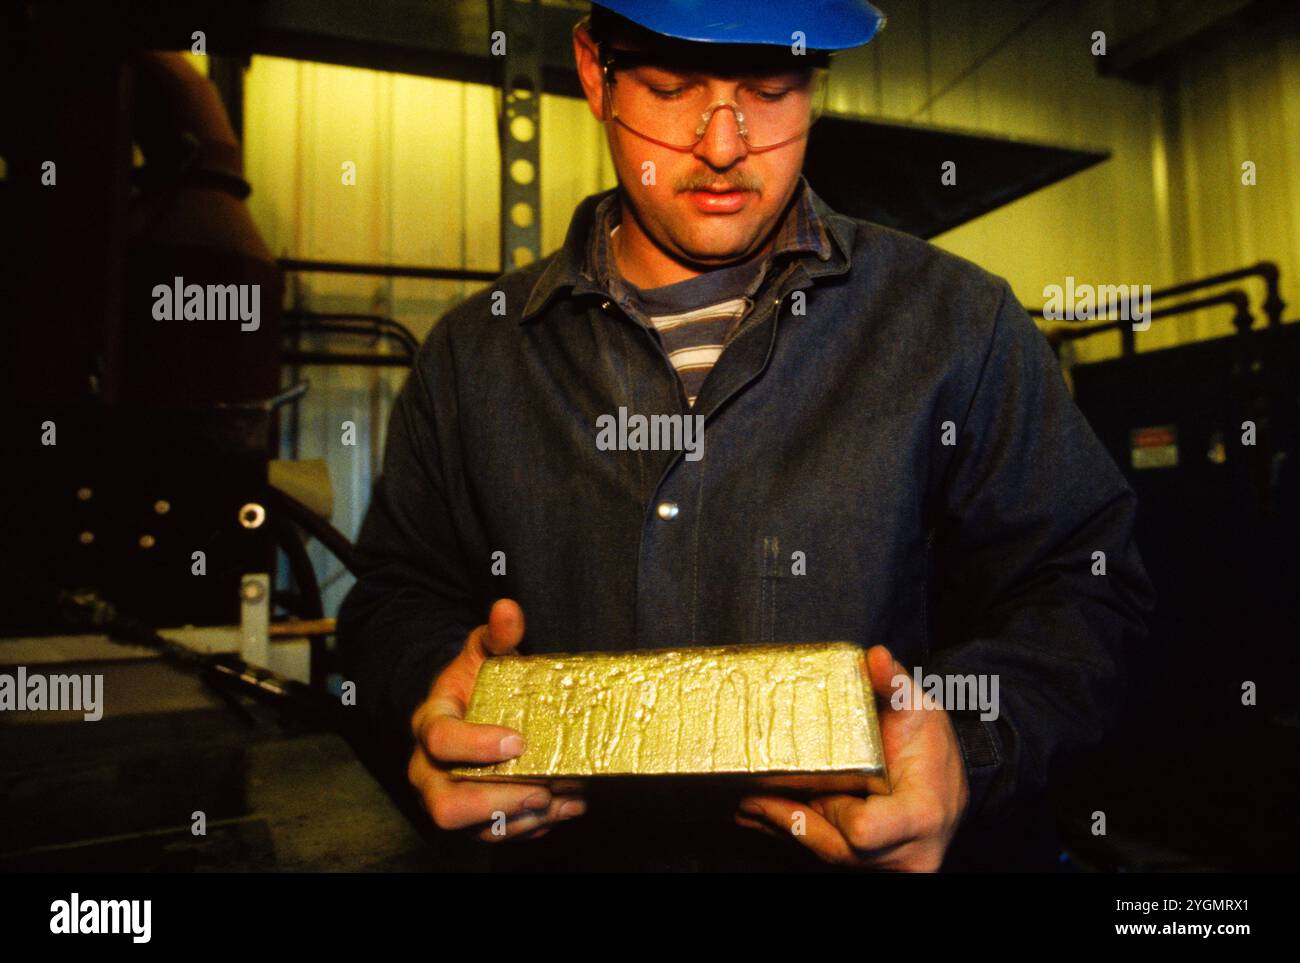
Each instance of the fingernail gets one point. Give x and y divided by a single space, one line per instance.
512 746
572 808
750 806
539 800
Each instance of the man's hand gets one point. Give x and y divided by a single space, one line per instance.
497 810
908 830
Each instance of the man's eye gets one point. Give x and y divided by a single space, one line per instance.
772 96
667 93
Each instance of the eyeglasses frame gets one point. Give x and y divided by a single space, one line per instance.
619 58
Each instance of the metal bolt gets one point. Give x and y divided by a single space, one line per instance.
252 515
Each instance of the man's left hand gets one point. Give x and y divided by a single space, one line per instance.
908 830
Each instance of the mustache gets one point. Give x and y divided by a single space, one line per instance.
736 180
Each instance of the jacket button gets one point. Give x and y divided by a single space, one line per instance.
667 511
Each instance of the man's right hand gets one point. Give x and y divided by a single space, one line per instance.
443 739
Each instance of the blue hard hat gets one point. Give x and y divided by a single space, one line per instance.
825 24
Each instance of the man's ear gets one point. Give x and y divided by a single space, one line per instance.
586 56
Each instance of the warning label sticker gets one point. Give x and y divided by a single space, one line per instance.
1154 447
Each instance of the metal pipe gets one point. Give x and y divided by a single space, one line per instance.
1243 320
388 270
1273 304
343 328
340 317
335 541
339 358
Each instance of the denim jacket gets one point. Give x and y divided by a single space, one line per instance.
890 413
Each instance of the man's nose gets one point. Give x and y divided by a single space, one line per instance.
722 144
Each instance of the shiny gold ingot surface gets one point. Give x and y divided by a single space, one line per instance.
784 716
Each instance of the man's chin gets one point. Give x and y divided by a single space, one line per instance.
719 259
717 252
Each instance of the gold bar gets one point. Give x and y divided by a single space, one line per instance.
783 716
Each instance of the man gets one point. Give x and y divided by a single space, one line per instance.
890 457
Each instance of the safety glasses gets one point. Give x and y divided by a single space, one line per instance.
670 101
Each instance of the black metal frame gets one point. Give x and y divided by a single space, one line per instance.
1243 320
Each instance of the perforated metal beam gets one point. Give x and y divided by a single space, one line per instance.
519 33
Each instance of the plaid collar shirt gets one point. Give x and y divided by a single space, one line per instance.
801 230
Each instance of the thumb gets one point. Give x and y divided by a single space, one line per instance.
505 628
884 669
502 634
503 631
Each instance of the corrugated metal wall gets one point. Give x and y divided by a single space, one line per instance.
1168 206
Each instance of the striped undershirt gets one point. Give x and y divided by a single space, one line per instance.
695 318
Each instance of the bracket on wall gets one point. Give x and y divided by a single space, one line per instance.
892 173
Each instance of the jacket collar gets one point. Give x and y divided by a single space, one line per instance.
817 236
